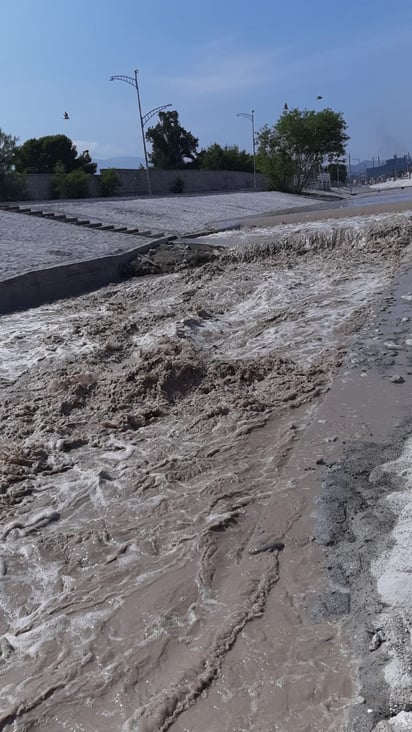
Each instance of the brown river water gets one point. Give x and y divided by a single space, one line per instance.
151 573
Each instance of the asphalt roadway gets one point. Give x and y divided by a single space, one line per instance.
362 204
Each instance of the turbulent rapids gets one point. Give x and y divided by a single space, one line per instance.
143 430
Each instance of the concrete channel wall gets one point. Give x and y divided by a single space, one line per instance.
54 283
134 182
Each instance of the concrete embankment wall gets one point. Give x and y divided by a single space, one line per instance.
54 283
37 186
134 182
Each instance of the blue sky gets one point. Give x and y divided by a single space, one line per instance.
210 60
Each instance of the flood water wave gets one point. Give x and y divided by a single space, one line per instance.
138 454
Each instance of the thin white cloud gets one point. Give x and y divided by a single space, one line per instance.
89 145
222 72
98 149
336 60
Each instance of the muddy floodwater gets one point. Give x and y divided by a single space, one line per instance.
151 573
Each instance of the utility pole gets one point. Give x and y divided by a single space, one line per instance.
149 187
350 173
251 118
144 118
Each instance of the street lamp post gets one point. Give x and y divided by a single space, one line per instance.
350 159
251 118
144 118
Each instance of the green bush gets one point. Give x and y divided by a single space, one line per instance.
109 181
12 187
177 185
57 184
69 185
76 184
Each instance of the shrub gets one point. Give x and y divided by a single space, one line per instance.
177 185
57 184
12 187
70 185
76 184
109 182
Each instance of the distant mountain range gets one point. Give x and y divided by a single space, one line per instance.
126 161
360 168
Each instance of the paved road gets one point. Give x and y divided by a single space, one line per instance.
364 205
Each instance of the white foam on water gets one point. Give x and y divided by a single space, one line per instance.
393 570
253 235
294 312
44 333
147 341
402 722
137 509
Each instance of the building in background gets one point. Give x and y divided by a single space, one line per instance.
395 167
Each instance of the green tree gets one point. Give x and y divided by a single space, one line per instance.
43 154
85 163
8 148
10 183
229 157
172 145
295 149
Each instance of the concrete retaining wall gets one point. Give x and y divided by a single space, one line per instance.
134 182
54 283
37 186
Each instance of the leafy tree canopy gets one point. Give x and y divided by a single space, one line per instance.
11 187
8 147
172 145
230 157
43 154
296 147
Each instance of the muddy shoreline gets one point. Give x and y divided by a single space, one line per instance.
355 517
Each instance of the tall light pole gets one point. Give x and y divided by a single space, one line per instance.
251 118
144 118
350 168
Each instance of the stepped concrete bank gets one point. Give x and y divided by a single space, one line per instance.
68 280
60 249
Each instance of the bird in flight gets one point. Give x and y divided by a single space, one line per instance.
66 116
319 97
